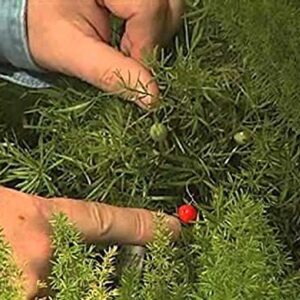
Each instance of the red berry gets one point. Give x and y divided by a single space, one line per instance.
187 213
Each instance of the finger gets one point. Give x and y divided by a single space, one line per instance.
34 260
31 287
104 223
177 8
144 32
146 24
99 64
101 23
29 277
94 21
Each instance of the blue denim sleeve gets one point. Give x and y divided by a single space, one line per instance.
16 63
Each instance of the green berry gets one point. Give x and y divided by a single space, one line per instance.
158 132
242 137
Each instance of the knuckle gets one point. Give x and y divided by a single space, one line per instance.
42 207
107 79
102 217
141 226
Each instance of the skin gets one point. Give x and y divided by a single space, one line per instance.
25 222
73 37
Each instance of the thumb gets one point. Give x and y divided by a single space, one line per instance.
94 61
100 222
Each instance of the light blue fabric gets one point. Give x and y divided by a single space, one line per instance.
16 63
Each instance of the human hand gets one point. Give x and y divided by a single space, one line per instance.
25 223
73 37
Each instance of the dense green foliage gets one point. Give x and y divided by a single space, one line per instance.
234 67
10 280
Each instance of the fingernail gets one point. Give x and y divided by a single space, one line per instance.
155 102
148 102
175 226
